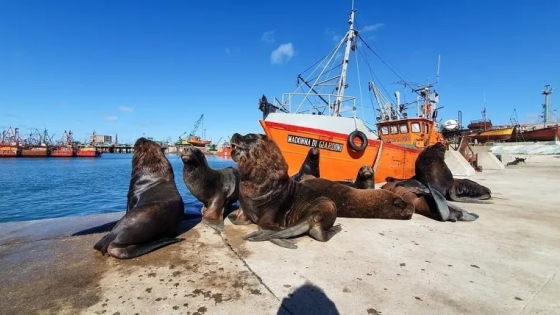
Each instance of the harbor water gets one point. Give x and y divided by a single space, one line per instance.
41 188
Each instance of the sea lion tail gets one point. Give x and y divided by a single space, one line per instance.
471 200
133 251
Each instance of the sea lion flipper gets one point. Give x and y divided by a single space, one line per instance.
131 251
442 208
217 225
461 214
284 243
415 184
238 217
319 234
266 235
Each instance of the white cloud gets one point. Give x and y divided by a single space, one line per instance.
125 109
268 36
282 54
110 118
336 38
372 27
227 51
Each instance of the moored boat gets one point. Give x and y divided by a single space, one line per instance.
88 152
63 151
35 151
9 151
498 134
549 132
346 142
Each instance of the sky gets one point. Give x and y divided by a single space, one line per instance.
152 68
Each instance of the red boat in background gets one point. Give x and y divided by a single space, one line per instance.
64 147
88 152
550 133
10 143
61 151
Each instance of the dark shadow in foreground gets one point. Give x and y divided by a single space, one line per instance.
190 220
309 300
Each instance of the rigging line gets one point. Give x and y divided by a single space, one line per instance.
360 88
372 73
379 50
383 61
332 52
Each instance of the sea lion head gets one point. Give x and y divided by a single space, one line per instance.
365 173
257 152
149 159
193 157
435 150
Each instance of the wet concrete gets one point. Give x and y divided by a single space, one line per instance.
506 262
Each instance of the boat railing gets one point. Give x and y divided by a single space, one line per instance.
323 103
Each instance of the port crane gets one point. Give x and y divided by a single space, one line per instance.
192 133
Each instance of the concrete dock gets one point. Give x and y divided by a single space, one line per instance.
506 262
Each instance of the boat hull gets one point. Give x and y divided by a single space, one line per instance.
88 153
338 161
35 153
63 152
542 134
6 152
503 134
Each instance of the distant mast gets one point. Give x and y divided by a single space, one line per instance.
341 86
546 92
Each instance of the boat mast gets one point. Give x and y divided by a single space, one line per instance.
546 92
341 86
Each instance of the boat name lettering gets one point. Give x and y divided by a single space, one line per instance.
321 144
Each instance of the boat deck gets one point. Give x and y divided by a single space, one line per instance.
506 262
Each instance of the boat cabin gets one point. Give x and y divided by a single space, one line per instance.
412 132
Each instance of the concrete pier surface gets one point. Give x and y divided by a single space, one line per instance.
506 262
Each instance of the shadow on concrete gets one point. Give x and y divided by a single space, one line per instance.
309 300
190 220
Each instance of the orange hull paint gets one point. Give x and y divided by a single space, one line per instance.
394 160
62 152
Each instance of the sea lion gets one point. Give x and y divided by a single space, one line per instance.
154 209
281 207
362 203
425 204
430 168
364 179
310 165
215 188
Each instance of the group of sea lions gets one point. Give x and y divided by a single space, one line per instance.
282 206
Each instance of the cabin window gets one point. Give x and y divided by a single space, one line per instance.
403 128
425 128
415 127
384 130
394 129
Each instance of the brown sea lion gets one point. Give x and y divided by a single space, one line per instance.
362 203
310 165
425 203
215 188
154 210
364 179
268 197
431 170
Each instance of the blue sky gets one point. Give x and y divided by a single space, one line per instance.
153 67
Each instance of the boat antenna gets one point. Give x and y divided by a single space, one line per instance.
546 92
438 62
350 44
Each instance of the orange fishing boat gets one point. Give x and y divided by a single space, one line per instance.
64 147
197 142
9 151
346 142
482 131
